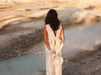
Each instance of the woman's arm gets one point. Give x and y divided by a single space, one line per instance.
62 35
46 37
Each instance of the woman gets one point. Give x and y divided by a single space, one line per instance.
54 40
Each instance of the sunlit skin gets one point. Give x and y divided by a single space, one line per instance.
46 36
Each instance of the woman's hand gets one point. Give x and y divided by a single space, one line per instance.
52 51
48 47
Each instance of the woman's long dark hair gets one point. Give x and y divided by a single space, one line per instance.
52 19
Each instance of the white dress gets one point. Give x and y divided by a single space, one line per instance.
54 61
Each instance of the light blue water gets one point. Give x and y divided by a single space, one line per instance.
24 65
78 38
82 38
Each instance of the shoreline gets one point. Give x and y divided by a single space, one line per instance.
84 63
18 37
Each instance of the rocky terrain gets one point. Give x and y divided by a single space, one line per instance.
21 24
84 63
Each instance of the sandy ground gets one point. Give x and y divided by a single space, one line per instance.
20 28
84 63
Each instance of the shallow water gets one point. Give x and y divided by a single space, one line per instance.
81 38
76 39
24 65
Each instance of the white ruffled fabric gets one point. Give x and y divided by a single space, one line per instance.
54 61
